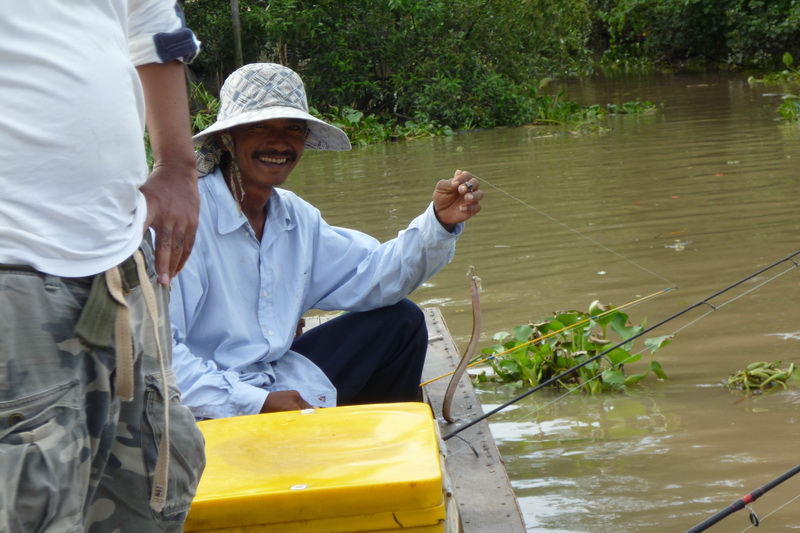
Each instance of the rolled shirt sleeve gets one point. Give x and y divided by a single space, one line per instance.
157 33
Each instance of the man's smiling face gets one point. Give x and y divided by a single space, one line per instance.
268 151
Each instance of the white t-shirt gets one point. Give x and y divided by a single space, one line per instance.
71 128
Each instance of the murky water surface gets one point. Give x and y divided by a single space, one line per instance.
572 218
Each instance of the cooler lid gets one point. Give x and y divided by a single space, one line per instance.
313 464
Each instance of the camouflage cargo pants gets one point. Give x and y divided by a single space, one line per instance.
73 457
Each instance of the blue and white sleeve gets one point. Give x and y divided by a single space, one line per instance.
157 33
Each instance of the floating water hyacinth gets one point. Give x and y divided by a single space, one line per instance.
762 376
535 352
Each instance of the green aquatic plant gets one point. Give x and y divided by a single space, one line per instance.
789 110
538 351
788 75
762 376
364 129
557 109
632 108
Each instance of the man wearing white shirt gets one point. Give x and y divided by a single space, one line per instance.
85 385
264 257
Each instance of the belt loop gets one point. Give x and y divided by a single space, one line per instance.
51 283
130 279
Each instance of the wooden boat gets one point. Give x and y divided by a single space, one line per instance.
374 468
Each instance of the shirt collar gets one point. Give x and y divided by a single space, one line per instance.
230 219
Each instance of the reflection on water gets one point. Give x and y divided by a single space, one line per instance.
699 195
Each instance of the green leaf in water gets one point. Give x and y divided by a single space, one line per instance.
618 356
635 378
657 342
500 335
523 333
655 367
613 377
569 318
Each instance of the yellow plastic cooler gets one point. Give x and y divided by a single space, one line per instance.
367 468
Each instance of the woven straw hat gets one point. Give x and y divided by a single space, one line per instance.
263 91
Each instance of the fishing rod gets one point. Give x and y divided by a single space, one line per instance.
626 341
744 501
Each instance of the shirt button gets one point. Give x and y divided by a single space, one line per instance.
270 332
264 294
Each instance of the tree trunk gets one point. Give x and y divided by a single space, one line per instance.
237 33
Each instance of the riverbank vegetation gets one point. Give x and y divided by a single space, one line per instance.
389 69
731 34
788 82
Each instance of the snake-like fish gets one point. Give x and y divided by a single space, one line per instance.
468 353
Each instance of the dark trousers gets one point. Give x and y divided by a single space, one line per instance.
372 356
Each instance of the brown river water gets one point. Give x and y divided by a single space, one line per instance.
698 195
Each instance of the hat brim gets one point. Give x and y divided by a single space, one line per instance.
321 135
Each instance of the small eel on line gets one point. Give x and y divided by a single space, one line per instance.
468 353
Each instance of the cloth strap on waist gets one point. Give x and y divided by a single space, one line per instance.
109 300
105 322
97 322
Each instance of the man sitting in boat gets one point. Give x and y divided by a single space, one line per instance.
263 257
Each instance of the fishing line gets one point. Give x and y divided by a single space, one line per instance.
744 502
675 332
601 245
751 526
558 377
479 360
720 306
598 376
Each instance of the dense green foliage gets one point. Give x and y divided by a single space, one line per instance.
429 66
464 64
368 129
734 33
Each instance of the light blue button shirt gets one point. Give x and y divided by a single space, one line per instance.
235 305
